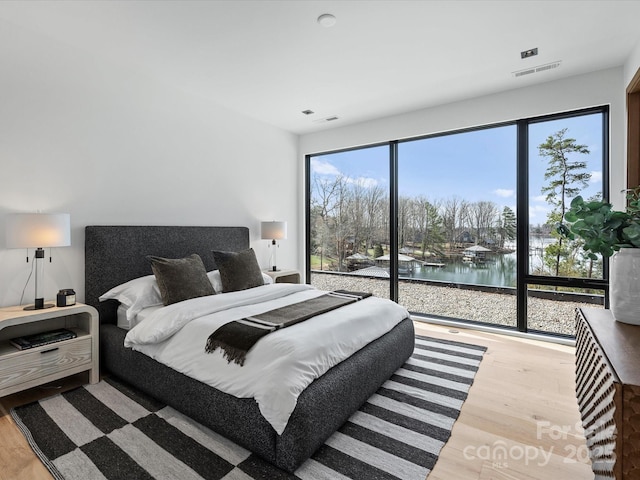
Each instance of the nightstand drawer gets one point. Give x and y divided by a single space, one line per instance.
284 276
49 359
291 278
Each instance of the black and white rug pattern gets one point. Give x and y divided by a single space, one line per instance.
110 431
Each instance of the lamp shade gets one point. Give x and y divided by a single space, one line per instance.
35 230
273 230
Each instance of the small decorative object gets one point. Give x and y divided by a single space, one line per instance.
612 233
273 231
66 297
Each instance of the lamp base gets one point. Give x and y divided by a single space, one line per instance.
39 305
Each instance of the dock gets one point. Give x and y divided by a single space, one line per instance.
433 264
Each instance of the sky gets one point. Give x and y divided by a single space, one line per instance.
474 166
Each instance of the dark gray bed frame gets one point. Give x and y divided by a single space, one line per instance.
116 254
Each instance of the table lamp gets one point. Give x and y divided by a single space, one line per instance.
273 231
38 230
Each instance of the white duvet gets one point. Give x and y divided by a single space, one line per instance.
282 364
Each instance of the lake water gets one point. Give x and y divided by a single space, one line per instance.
498 271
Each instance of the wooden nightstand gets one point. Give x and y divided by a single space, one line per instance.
284 276
23 369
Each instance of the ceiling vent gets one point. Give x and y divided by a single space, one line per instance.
524 72
539 68
327 119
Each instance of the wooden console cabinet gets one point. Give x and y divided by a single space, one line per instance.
608 392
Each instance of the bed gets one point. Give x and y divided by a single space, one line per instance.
117 254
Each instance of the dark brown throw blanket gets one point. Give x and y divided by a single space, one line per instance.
236 338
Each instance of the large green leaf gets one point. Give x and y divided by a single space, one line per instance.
603 229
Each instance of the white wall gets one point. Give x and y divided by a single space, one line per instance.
110 146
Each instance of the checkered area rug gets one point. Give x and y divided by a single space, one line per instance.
111 431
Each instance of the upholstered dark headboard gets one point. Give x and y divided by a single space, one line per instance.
116 254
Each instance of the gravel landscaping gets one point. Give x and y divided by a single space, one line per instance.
496 308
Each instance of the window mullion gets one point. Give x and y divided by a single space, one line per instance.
522 228
393 220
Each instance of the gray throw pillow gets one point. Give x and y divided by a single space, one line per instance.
181 278
238 270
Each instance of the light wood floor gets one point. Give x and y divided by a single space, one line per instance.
519 422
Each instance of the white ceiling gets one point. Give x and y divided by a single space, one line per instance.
271 59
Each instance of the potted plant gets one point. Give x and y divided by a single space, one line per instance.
616 234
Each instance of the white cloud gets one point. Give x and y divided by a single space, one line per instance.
596 177
504 192
323 168
366 182
538 213
539 198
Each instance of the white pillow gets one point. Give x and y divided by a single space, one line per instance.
124 322
121 315
143 292
136 295
216 281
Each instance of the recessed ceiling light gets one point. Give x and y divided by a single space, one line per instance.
308 112
327 20
529 53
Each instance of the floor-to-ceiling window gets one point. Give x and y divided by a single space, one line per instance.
462 225
566 159
348 219
457 225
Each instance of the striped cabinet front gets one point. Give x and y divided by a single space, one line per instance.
598 392
609 407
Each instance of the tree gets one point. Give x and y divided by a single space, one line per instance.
323 198
567 177
357 212
482 216
506 226
465 218
433 235
376 205
404 214
341 219
419 211
450 217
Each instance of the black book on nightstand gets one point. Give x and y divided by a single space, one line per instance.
43 338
